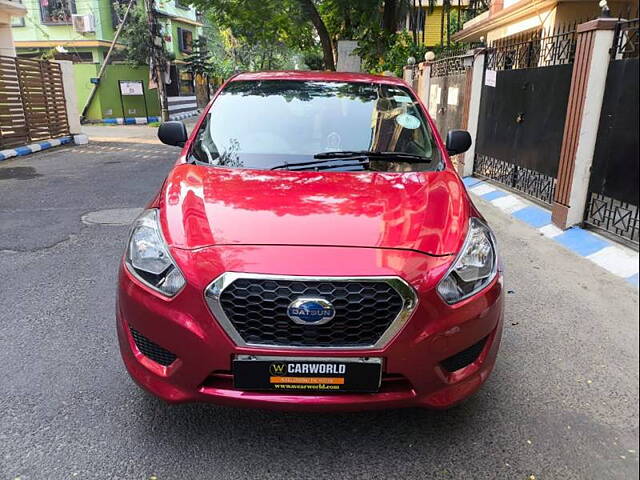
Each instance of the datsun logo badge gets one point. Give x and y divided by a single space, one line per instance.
311 311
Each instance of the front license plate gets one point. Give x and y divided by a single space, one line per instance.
307 374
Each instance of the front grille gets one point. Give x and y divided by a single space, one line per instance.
152 350
465 357
257 309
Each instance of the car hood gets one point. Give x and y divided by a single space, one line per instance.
207 206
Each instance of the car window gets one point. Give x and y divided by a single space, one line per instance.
263 124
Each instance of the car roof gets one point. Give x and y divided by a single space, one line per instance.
326 76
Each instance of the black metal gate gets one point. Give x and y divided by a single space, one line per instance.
522 110
612 202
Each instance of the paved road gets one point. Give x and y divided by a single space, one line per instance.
561 404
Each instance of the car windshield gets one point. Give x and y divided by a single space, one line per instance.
273 124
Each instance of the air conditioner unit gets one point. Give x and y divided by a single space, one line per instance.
83 23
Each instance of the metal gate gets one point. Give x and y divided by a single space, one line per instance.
32 102
612 202
448 91
522 110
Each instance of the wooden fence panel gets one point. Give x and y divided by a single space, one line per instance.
13 126
32 102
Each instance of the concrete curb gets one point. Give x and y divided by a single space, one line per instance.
34 147
145 120
617 259
182 116
130 120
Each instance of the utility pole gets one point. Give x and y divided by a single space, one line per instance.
158 61
94 87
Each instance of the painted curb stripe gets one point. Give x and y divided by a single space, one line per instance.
534 216
130 120
34 147
182 116
581 241
144 121
616 259
493 195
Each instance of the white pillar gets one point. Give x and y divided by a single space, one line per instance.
68 80
474 111
588 133
425 83
6 40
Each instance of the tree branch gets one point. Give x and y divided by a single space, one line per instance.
309 8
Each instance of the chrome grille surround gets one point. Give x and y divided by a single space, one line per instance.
215 289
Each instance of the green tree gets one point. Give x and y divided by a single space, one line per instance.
263 27
300 25
136 37
198 61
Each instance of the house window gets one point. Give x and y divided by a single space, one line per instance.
185 38
76 57
17 21
57 12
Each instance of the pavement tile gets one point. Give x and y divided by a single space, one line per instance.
580 241
493 195
535 216
509 203
618 260
482 189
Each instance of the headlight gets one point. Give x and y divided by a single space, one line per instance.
475 266
148 257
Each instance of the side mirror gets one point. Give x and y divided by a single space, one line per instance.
458 141
173 133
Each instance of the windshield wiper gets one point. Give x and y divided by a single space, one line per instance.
390 156
322 163
363 157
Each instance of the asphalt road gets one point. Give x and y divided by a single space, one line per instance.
562 402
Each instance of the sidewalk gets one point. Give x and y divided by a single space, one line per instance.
616 258
129 133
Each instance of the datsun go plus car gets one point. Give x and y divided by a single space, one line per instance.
312 248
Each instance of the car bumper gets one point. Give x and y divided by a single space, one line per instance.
413 373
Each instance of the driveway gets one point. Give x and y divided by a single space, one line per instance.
562 402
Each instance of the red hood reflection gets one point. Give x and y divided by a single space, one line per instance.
206 206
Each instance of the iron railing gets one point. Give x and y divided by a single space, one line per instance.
451 65
626 42
534 184
537 48
613 216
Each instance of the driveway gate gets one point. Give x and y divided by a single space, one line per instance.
612 202
522 110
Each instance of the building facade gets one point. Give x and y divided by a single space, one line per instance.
82 31
433 23
507 18
10 11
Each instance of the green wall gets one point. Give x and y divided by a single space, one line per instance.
82 73
34 29
106 102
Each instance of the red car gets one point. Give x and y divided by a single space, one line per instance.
312 248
